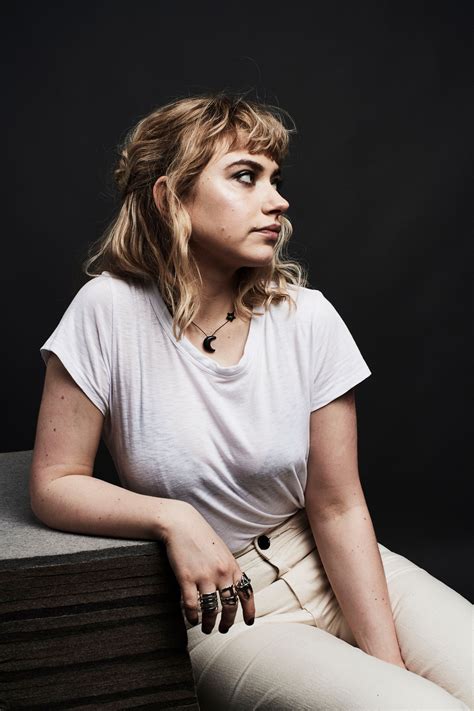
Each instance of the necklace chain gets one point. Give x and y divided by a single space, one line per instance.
206 344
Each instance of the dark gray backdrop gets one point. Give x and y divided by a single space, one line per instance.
377 181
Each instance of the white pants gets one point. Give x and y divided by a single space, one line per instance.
301 654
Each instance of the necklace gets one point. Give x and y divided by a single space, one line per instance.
206 344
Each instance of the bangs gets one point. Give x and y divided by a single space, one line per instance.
241 124
261 133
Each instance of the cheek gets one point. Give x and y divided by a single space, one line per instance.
220 212
224 205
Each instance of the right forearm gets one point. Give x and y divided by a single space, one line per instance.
84 504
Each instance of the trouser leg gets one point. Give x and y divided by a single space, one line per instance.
286 666
301 654
434 625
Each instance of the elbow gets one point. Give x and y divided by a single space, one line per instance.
41 503
33 496
329 509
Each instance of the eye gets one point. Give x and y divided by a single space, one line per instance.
243 173
277 182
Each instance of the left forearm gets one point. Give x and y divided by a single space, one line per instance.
350 555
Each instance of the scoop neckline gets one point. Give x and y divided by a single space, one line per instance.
189 350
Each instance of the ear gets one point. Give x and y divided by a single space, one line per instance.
159 190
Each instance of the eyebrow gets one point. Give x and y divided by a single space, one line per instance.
258 167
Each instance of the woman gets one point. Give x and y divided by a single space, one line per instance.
224 388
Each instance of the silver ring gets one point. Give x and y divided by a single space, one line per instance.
231 599
244 586
208 601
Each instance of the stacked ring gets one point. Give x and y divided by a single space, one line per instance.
244 586
208 601
230 599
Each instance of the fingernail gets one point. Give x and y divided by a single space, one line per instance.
250 622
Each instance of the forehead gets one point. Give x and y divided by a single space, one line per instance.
223 157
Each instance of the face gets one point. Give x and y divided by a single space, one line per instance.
236 195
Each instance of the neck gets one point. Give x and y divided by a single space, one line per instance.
216 297
214 308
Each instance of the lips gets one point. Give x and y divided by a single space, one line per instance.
269 228
270 234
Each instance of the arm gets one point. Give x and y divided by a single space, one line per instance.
63 492
343 529
65 495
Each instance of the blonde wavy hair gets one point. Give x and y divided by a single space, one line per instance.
145 244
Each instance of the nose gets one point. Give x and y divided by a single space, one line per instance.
275 202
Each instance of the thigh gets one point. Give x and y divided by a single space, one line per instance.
433 624
277 666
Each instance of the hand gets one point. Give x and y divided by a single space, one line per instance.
202 563
399 663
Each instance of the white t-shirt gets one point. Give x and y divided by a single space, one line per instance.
233 441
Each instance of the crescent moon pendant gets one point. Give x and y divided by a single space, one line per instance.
207 344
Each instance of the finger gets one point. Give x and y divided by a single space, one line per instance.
191 604
246 597
209 609
229 602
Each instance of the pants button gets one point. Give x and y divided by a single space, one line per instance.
263 542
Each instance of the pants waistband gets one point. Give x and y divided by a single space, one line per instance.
297 521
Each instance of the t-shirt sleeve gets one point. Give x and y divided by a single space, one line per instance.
83 340
339 364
